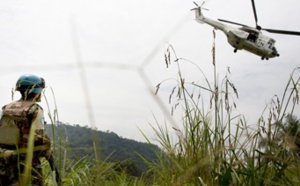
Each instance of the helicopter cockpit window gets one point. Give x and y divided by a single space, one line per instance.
271 43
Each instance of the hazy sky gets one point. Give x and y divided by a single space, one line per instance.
95 51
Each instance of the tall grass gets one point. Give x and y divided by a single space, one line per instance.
217 147
214 146
83 171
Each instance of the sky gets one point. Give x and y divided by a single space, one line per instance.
102 59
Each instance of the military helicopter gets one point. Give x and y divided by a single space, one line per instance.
246 38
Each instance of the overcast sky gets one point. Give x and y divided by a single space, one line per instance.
93 50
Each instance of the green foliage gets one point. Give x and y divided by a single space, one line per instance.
216 147
79 143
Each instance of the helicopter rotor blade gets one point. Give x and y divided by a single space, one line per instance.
200 5
255 14
288 32
226 21
282 32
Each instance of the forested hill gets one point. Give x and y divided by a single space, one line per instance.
113 148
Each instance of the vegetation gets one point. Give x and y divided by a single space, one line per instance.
214 146
78 142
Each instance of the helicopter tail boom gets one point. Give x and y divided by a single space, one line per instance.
201 19
199 15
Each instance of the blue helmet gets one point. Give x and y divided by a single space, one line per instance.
30 84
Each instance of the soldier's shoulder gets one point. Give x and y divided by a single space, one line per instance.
11 104
34 107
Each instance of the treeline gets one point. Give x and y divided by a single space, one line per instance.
82 141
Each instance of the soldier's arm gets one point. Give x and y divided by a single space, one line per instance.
40 135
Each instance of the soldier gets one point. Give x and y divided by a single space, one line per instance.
22 128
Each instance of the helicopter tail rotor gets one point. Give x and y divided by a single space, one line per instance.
201 6
198 13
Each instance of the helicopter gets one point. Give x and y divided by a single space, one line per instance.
246 37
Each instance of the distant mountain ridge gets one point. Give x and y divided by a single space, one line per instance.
113 148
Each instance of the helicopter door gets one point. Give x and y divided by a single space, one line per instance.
252 37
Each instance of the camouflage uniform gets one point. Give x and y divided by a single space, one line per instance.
27 116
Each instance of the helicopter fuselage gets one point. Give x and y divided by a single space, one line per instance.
252 41
244 38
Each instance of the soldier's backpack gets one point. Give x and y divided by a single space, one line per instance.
14 123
